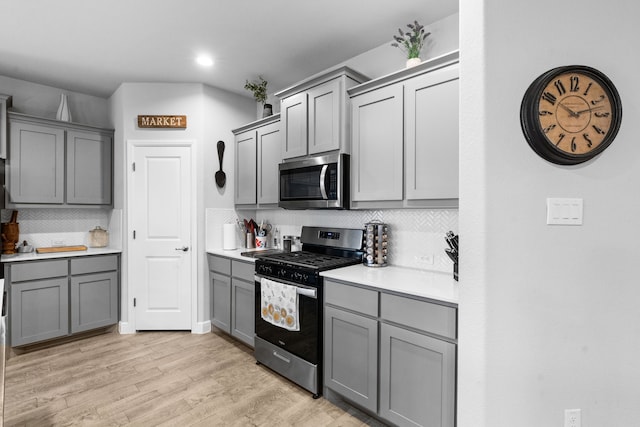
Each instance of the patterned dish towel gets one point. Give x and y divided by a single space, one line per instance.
279 304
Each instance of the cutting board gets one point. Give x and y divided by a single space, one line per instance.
61 249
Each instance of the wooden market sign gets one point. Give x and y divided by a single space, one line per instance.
179 122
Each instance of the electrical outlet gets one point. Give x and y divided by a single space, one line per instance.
57 242
572 418
424 259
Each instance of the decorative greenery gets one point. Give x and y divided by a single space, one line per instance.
412 41
259 89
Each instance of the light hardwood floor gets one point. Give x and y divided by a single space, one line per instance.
159 379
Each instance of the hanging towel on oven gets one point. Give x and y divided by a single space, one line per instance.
279 304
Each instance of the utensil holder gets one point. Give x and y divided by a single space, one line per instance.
376 242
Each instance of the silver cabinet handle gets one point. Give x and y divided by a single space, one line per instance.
183 249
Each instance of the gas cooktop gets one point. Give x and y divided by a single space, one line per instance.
312 260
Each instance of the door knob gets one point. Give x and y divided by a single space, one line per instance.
183 249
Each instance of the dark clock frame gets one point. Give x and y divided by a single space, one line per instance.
530 123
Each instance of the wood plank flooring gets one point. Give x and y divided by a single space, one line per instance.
159 379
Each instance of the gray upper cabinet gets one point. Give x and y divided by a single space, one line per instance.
58 164
315 114
269 157
245 190
89 168
5 103
293 111
405 138
36 164
431 135
376 163
258 153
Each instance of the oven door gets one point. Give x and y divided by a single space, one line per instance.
304 343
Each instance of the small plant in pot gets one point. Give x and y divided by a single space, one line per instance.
411 42
259 91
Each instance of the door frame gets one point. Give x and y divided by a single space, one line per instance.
130 289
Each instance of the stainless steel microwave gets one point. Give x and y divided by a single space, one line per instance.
315 183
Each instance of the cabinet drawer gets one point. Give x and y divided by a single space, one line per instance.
364 301
243 270
94 264
219 264
38 270
429 317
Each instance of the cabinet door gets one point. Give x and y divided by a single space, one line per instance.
324 117
431 135
220 301
89 168
269 157
377 144
39 310
36 166
417 378
243 310
94 301
293 113
351 356
245 191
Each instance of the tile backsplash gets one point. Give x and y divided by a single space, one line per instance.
416 236
49 227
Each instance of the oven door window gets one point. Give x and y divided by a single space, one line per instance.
303 343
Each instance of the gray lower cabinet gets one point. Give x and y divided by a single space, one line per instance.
39 310
232 297
394 356
56 298
351 356
94 292
417 378
58 164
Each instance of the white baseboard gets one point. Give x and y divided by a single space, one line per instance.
126 328
202 327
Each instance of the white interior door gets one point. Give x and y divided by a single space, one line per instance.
160 253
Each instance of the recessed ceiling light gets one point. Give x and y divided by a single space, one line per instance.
204 60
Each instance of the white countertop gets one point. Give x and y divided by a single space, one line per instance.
234 253
433 285
34 256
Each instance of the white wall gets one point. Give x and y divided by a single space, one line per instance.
548 314
210 115
42 101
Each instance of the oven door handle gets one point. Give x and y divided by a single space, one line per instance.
307 292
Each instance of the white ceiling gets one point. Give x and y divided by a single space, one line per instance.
91 47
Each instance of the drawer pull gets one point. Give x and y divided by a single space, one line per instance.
284 359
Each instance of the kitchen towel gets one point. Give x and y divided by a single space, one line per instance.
229 236
279 304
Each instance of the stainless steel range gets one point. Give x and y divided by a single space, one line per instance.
297 354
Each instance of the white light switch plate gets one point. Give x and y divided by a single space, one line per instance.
564 211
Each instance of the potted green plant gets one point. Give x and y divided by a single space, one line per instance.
259 91
411 42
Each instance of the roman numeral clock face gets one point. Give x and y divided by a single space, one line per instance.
570 114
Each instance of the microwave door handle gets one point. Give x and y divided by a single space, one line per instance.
323 187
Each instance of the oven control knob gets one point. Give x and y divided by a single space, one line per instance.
297 275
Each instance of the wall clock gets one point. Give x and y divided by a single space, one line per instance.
570 114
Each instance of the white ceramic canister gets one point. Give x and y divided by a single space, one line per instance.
98 237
